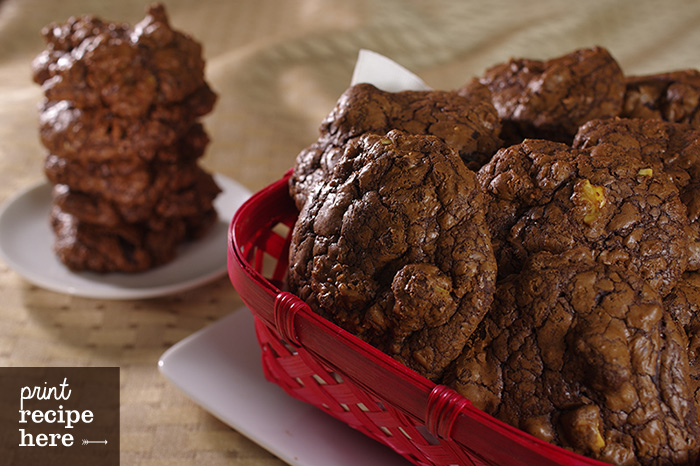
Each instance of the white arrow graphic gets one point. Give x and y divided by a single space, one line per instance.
87 442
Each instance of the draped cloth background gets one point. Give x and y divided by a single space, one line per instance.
278 67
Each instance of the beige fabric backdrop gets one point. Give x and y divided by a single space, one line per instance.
278 67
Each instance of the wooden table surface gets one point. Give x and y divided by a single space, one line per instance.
278 67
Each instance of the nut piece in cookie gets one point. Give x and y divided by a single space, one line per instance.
582 354
394 248
546 196
551 99
465 120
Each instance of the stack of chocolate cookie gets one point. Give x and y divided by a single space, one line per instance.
121 125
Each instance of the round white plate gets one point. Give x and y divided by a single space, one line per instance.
26 245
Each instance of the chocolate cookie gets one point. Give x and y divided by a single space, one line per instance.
465 120
683 304
138 191
551 99
174 193
673 96
89 209
126 70
693 338
674 147
547 196
87 239
582 354
187 194
394 248
122 248
97 134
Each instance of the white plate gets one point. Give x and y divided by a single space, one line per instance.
26 243
219 368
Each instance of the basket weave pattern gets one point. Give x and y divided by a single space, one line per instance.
320 364
302 377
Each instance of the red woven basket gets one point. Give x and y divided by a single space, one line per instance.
319 363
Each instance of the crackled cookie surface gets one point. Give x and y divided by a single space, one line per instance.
671 147
546 196
94 63
465 120
551 99
394 248
582 354
673 96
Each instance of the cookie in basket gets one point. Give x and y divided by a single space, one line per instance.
394 248
465 119
672 96
673 146
550 99
545 195
583 355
